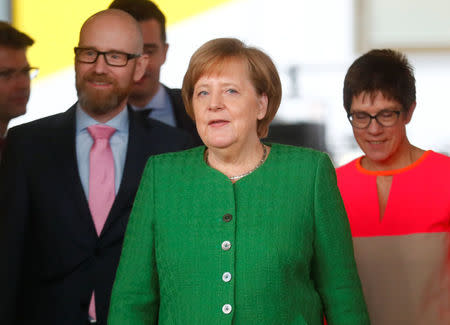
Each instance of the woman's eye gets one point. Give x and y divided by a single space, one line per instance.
202 93
231 91
361 116
386 113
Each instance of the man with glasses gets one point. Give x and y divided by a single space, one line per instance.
148 94
67 184
15 76
397 197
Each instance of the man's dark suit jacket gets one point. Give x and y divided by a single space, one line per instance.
181 117
52 258
2 145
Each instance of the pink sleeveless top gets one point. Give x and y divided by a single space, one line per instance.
403 258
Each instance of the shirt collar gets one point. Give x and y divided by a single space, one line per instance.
83 120
159 101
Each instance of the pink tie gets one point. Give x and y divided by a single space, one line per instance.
101 175
101 182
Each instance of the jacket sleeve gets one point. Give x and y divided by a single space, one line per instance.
14 224
135 294
334 267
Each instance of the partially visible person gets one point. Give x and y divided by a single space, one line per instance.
239 231
148 94
397 197
67 183
15 76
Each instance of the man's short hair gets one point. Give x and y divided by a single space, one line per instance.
142 10
11 37
385 71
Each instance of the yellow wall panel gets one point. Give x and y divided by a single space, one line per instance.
178 10
55 25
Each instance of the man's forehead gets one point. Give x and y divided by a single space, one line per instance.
106 47
150 25
151 30
12 57
12 51
110 30
151 45
106 40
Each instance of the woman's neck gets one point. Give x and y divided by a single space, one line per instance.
236 160
405 156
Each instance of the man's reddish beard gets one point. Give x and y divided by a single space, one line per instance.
100 101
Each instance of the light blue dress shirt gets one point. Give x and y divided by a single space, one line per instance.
162 109
84 142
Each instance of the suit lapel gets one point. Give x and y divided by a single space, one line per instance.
133 168
182 118
178 107
66 153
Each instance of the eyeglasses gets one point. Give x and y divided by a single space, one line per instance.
112 58
361 120
27 72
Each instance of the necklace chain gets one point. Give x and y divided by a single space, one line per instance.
231 178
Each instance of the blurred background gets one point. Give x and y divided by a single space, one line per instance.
312 43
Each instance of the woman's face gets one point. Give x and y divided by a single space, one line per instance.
382 145
227 107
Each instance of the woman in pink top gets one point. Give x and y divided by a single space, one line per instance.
397 198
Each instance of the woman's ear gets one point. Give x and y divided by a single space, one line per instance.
410 112
262 107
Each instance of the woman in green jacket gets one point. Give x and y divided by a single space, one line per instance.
239 231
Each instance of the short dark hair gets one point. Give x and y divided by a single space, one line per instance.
11 37
142 10
381 70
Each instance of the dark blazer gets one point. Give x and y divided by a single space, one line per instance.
182 118
52 258
2 145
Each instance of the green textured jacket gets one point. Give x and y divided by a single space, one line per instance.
273 248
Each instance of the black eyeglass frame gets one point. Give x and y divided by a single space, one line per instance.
130 56
375 117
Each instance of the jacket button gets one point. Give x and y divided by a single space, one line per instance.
226 277
226 309
226 245
227 217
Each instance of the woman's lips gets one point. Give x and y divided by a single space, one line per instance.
375 142
218 123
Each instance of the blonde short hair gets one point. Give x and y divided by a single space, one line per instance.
214 56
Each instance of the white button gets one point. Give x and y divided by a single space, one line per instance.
226 277
226 245
226 309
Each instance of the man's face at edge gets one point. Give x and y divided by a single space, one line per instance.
14 93
156 49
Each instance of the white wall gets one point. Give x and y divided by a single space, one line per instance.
312 44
